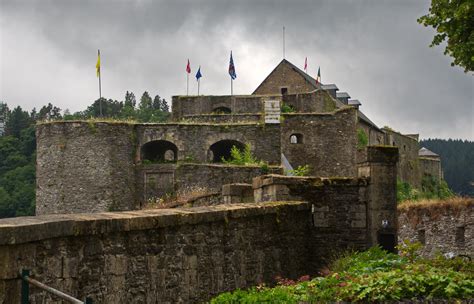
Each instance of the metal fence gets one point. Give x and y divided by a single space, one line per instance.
25 290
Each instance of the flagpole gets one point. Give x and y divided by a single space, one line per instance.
100 87
187 83
231 87
283 42
199 82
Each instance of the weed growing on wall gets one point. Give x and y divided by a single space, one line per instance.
370 276
286 108
301 171
241 157
362 139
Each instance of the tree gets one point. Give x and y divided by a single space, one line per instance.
454 21
17 121
49 112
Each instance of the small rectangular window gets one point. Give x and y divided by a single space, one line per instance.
460 235
421 236
284 91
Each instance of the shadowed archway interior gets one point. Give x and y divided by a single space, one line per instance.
221 149
159 151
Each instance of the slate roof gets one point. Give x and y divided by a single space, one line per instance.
425 152
354 102
342 95
331 86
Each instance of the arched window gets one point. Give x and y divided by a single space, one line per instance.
221 149
222 110
296 138
159 151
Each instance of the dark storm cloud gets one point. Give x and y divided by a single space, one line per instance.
374 50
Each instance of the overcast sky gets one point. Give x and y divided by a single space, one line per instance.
374 50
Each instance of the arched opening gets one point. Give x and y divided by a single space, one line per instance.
159 151
296 138
221 149
222 110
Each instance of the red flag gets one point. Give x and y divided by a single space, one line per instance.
188 68
306 64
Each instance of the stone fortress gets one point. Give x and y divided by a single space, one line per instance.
94 167
91 238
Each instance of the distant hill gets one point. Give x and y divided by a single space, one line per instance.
457 159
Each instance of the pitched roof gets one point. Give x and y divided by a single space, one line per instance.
308 78
425 152
354 102
330 86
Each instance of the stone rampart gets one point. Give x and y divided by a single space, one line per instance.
85 167
156 256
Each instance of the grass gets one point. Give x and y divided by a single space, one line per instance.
182 198
456 202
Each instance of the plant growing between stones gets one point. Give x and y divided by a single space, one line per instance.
301 171
362 139
242 158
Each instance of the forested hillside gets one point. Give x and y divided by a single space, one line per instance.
18 145
457 159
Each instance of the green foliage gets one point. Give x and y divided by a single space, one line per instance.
431 188
285 108
453 21
362 139
457 159
370 276
241 157
301 171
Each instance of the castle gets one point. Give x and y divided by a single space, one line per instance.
264 224
290 120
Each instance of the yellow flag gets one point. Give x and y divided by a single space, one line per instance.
97 66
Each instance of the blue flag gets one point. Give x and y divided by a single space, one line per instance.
232 67
198 74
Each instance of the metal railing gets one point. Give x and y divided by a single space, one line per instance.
25 290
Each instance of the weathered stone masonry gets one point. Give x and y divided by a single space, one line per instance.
156 256
445 228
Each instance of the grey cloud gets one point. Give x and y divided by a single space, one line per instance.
375 50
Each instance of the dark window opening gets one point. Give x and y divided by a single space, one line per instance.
222 110
284 91
159 151
421 236
460 235
296 138
221 149
387 241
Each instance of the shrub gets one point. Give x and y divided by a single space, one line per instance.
301 171
242 158
370 276
285 108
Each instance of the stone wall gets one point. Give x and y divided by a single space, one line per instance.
375 137
446 228
156 256
318 101
408 167
284 76
328 142
84 167
160 179
194 105
431 167
224 118
92 167
194 140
